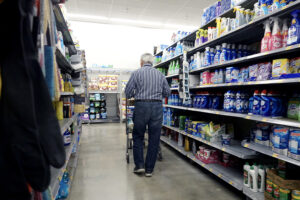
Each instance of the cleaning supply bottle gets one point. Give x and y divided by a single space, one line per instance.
240 51
265 41
201 36
276 5
246 174
232 101
177 67
253 179
264 7
276 38
285 32
223 55
228 52
238 102
245 50
205 35
233 55
261 179
212 56
207 56
218 54
265 104
250 109
256 102
283 3
294 30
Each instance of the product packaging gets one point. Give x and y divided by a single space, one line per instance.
280 67
253 72
294 144
280 140
264 71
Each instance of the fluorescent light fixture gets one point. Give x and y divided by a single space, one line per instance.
129 22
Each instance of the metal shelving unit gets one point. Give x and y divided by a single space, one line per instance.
63 27
235 148
57 174
66 123
278 121
229 175
251 58
268 151
167 61
172 76
63 63
66 93
253 195
103 92
251 83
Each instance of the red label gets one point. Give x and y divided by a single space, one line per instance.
276 42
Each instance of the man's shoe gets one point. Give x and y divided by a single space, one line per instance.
138 170
148 174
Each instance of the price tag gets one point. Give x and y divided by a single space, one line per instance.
283 8
208 143
220 175
188 155
264 119
246 145
275 155
194 159
288 48
202 165
248 117
217 113
240 83
229 84
223 149
59 178
230 182
210 169
266 53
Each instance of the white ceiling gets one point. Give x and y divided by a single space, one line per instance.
174 12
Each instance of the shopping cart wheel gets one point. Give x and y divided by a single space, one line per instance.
127 158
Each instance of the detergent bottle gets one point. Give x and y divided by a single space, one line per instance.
233 52
256 102
276 104
265 107
285 32
264 7
218 54
239 102
223 55
246 174
276 5
212 55
253 178
228 52
207 56
240 51
265 41
276 39
294 30
250 108
261 179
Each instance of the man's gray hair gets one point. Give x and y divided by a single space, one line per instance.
147 58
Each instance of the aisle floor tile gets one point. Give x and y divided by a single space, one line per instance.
103 173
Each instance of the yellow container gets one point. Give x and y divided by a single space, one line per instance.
186 144
59 110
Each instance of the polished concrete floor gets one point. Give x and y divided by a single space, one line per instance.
103 173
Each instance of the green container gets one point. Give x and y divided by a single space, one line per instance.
285 194
182 122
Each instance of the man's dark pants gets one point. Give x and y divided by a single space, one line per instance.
151 114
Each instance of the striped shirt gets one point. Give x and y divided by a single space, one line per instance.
147 83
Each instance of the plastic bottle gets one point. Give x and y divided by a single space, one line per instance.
294 30
285 32
253 179
218 54
276 104
240 51
233 55
264 7
177 67
245 50
227 100
228 52
246 174
232 101
250 109
276 38
191 63
207 56
221 76
256 102
261 179
212 55
223 54
205 35
265 41
238 103
201 36
276 5
265 104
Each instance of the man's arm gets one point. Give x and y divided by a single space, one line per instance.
130 86
166 89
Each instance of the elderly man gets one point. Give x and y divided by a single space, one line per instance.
148 86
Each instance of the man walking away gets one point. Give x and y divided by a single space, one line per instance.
148 86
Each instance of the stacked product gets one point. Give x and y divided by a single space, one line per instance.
104 83
175 51
283 140
97 107
174 68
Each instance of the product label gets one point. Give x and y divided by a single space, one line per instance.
259 182
269 187
276 193
251 182
246 177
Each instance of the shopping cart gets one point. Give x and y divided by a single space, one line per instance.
129 109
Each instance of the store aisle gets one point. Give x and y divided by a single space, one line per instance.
102 173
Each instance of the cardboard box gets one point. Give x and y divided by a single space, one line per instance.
282 183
